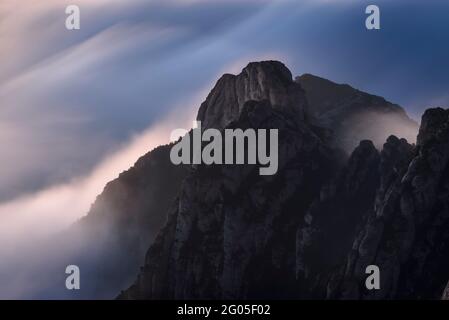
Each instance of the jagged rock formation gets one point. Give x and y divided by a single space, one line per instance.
406 234
230 227
330 224
310 230
125 218
353 115
307 232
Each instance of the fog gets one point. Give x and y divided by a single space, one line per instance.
31 263
377 127
69 98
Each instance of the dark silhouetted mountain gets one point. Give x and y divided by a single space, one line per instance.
310 230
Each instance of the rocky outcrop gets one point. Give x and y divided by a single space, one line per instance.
231 232
330 225
126 217
267 80
406 234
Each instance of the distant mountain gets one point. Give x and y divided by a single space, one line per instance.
353 115
122 223
310 230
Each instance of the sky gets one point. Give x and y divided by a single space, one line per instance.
78 107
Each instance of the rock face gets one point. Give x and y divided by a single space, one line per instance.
231 231
267 80
109 243
353 115
406 234
310 230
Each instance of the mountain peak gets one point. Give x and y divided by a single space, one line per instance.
270 67
264 80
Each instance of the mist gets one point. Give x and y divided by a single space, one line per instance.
377 127
78 108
